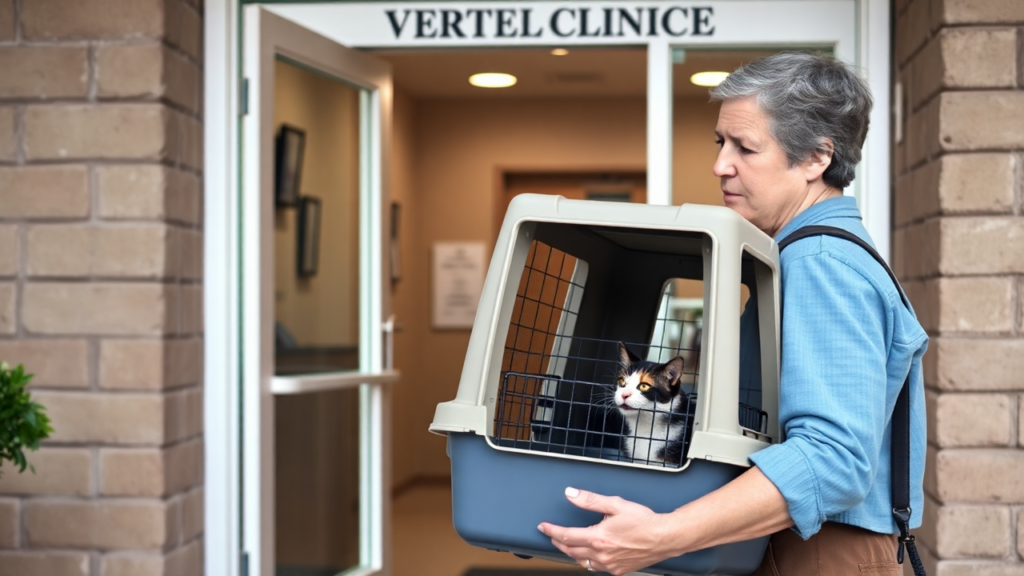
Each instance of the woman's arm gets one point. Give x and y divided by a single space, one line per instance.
632 537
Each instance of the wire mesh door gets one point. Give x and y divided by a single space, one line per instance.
567 394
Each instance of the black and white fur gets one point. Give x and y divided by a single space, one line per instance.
647 394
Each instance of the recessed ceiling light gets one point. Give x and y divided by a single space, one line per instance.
492 80
709 79
559 52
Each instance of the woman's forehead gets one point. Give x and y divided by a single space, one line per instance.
741 117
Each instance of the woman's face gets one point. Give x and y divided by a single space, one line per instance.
757 181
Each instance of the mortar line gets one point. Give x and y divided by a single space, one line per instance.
17 22
91 63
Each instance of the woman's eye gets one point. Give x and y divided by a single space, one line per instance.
744 150
720 142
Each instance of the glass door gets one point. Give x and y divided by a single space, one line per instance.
315 331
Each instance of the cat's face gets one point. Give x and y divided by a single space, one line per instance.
646 386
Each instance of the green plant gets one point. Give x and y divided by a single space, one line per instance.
23 423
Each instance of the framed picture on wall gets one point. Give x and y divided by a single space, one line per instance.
289 149
309 236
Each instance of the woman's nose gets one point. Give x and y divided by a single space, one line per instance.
723 166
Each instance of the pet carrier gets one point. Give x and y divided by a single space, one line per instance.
576 292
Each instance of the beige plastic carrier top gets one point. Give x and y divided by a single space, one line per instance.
570 279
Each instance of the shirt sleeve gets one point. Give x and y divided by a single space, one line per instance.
833 395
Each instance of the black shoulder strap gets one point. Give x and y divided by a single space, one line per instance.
900 451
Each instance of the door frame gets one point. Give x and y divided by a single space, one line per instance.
224 106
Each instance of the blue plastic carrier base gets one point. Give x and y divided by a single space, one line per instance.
499 498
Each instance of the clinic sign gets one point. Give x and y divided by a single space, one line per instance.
556 22
443 24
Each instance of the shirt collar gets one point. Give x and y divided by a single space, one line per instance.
838 207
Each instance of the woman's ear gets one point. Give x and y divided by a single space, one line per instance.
819 161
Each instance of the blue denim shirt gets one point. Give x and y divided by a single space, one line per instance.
848 343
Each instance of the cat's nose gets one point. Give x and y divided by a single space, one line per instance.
626 395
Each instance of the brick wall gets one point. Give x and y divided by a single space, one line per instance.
959 247
100 294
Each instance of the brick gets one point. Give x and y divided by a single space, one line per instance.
57 192
979 58
53 363
192 514
191 258
923 133
973 532
130 71
911 30
6 20
191 412
150 364
125 418
976 364
976 305
981 120
191 151
58 472
1020 532
187 29
46 563
923 294
980 476
979 12
109 524
44 72
963 420
8 308
97 308
184 561
137 251
981 245
926 74
149 192
191 309
8 250
973 183
98 19
920 253
111 130
7 131
9 523
151 472
147 71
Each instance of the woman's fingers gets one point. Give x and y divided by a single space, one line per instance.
607 505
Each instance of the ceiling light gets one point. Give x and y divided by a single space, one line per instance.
559 52
709 79
492 80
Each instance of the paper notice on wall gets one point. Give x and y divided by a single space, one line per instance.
458 280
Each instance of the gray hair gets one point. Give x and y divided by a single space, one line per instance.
808 98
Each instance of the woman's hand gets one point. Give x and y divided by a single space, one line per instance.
627 540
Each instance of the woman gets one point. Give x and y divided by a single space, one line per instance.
790 131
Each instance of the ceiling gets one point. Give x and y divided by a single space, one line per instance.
584 72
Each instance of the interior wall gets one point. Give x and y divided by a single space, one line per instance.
408 434
446 164
322 310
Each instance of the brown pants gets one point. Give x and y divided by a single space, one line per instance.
836 550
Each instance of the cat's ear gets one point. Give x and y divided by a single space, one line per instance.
626 356
673 370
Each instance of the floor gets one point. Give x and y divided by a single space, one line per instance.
425 543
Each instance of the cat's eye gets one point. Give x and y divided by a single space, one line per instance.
622 381
644 387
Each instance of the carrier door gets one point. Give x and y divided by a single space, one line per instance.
315 355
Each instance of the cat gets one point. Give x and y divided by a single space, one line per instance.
648 395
